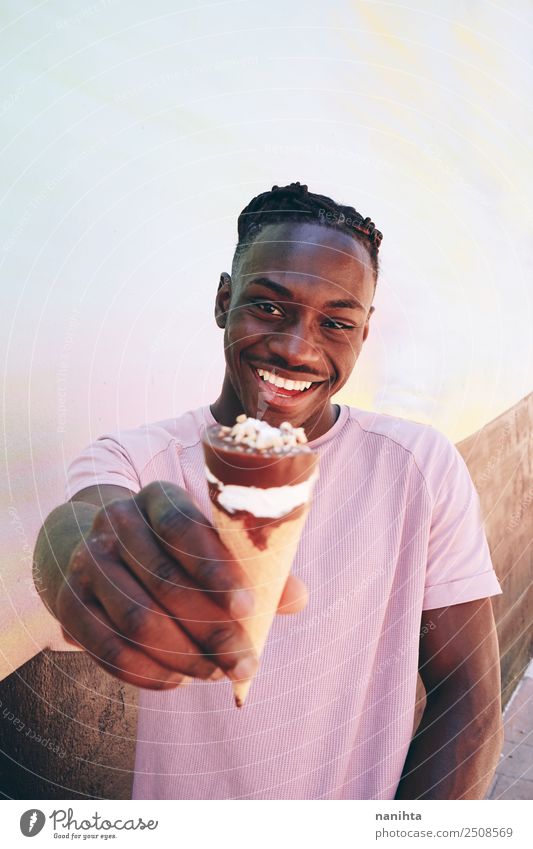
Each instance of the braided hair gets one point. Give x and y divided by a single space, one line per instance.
296 203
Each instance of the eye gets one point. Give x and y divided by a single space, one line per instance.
265 306
339 325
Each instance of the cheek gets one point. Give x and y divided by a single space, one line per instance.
350 354
236 338
242 331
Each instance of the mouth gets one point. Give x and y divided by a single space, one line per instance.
278 391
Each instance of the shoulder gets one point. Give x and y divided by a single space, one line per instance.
144 443
429 450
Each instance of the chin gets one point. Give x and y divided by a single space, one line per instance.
275 417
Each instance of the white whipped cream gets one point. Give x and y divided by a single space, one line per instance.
271 503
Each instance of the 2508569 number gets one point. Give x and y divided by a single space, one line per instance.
490 831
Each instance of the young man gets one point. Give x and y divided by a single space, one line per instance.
393 558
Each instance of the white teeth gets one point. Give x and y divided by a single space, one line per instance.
299 385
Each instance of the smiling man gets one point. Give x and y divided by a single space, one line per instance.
297 308
392 575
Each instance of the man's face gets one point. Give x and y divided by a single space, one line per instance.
298 311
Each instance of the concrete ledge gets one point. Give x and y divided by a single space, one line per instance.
67 730
500 460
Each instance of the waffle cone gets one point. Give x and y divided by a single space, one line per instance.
267 570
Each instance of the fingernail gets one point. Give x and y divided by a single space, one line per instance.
246 668
242 603
217 675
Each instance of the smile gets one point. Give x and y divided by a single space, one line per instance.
283 383
280 388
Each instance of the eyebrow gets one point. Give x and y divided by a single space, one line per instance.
345 303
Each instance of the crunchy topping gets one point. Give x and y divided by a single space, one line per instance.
257 435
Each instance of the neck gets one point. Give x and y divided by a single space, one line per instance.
228 405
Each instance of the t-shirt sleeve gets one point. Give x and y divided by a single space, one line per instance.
459 566
106 461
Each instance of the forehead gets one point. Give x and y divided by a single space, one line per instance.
314 257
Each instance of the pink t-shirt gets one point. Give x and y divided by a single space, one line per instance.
394 529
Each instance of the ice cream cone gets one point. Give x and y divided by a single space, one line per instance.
267 569
245 485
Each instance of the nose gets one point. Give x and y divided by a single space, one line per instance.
293 347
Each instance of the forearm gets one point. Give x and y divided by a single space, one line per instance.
62 531
454 753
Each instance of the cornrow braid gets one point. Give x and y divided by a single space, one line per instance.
296 203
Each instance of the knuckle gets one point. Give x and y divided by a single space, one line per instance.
119 511
163 577
110 652
172 522
79 562
156 489
203 670
119 515
113 515
179 514
101 539
68 602
135 621
101 521
221 637
211 572
152 490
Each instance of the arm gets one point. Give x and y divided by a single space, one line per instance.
62 531
457 745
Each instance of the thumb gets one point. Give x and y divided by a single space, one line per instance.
294 597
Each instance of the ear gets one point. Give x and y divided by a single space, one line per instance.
366 329
223 299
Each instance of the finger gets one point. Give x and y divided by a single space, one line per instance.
139 619
188 536
221 638
294 597
69 639
86 622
